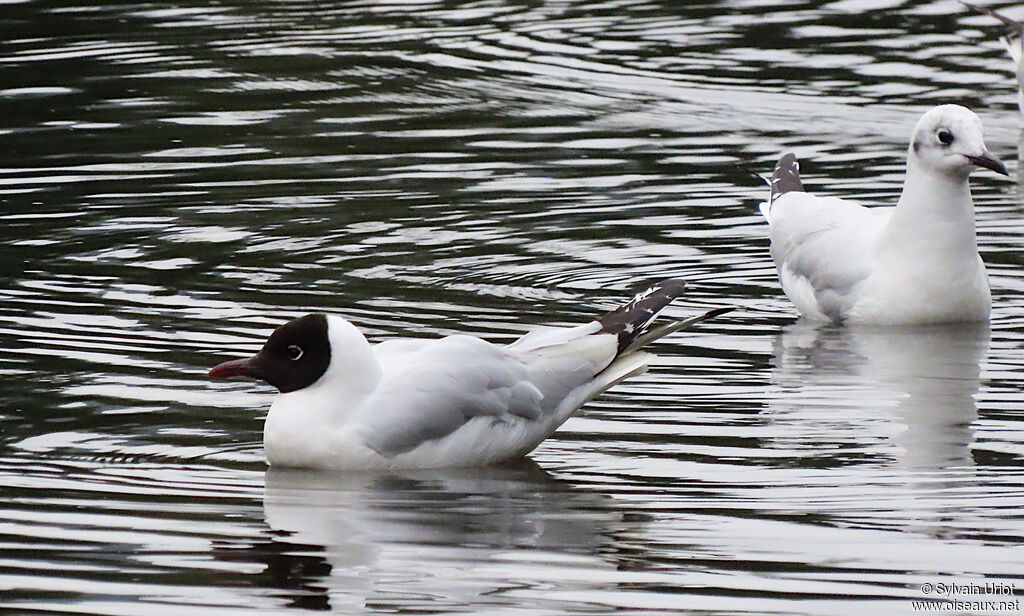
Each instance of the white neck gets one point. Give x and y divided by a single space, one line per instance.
353 366
935 213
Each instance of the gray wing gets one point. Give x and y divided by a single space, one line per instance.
431 389
822 247
435 387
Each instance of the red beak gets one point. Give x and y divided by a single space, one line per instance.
236 367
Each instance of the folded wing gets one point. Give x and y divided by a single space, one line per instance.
822 249
439 387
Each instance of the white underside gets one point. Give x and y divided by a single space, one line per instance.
892 299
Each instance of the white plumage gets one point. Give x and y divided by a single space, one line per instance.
917 262
453 401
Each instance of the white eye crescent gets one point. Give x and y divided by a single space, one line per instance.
295 352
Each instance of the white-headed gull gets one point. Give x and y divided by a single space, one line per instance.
431 403
1012 40
914 263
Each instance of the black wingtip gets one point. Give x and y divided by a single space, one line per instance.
631 319
754 174
786 177
651 334
717 312
1012 25
673 286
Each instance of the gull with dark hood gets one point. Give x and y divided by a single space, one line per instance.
296 356
454 401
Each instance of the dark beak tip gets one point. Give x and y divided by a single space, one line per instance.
1000 168
990 162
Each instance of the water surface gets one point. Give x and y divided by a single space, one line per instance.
178 180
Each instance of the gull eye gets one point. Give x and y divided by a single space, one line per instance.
295 352
945 137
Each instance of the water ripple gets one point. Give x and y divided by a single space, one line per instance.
178 181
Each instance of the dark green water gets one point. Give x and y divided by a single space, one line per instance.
177 180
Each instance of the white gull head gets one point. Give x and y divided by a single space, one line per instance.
949 142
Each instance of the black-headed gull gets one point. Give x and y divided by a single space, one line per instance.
431 403
1012 41
914 263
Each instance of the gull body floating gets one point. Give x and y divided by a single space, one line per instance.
915 263
454 401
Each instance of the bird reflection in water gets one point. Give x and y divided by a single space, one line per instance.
923 379
392 540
